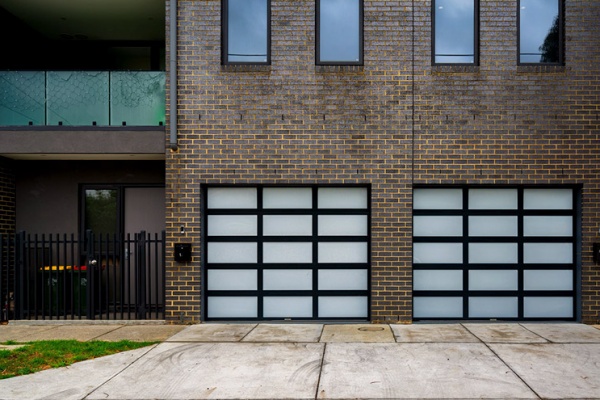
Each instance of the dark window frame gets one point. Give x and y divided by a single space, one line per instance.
476 29
361 24
225 37
561 37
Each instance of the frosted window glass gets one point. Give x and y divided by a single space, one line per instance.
493 280
231 198
232 307
287 279
548 199
437 307
225 252
438 225
343 279
289 197
548 253
437 279
287 253
547 226
548 280
343 307
437 199
493 226
493 199
493 307
493 253
287 307
231 279
548 307
437 253
343 197
232 225
287 225
343 225
340 252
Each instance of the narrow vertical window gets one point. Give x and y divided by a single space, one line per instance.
456 31
246 31
339 32
540 32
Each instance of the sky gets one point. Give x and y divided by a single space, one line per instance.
247 30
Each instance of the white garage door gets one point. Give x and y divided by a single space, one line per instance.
286 253
488 253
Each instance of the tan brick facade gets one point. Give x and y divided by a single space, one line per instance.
395 122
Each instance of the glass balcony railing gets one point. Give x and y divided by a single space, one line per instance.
82 98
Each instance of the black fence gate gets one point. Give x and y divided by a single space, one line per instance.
93 277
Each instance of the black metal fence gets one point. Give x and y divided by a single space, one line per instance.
93 277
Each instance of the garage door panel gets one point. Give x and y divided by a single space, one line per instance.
232 307
490 225
548 307
493 280
232 225
232 279
493 307
493 253
287 198
548 253
437 253
287 279
438 225
548 280
493 199
343 279
343 252
437 279
548 199
287 253
437 307
232 198
547 225
343 306
287 225
232 253
287 307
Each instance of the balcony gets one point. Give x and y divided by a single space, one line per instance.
82 98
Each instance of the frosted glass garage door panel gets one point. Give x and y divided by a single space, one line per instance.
437 253
438 279
343 279
232 307
231 279
493 199
343 197
547 225
493 226
437 199
232 252
438 225
493 280
343 225
343 252
437 307
548 253
287 198
287 253
493 307
287 225
493 253
287 279
548 280
232 198
548 199
343 307
232 225
548 307
287 307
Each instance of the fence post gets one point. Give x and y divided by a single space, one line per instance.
19 264
140 266
90 263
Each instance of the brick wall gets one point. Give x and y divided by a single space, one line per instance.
7 197
296 123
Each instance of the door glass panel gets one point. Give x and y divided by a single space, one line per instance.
244 198
340 252
232 307
437 279
437 225
101 211
493 226
287 307
437 253
493 253
493 280
343 306
287 225
343 225
548 253
548 199
493 199
547 225
548 307
493 307
287 198
287 279
437 199
231 279
287 253
343 197
548 280
343 279
232 225
438 307
232 252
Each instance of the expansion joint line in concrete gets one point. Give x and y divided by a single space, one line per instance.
320 371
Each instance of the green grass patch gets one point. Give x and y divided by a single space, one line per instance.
46 354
